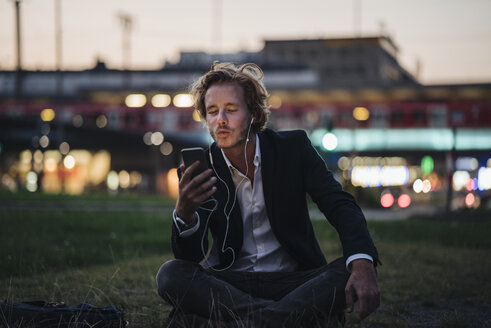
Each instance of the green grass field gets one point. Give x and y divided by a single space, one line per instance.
435 273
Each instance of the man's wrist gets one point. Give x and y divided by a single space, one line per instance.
361 262
186 220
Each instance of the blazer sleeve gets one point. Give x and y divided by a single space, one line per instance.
338 206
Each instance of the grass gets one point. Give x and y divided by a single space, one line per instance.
435 273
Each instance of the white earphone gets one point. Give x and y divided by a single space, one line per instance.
227 215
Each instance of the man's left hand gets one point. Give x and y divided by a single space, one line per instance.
362 284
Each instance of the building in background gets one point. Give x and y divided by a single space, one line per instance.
363 111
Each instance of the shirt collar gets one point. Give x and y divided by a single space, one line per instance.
257 156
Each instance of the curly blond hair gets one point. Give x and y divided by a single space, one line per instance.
249 77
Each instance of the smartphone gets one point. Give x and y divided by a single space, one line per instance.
191 155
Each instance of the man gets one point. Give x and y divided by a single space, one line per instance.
265 267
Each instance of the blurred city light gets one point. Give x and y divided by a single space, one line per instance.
418 186
183 100
404 201
161 100
64 148
112 180
31 181
69 162
374 176
329 141
426 186
196 116
275 101
466 164
9 182
26 156
157 138
343 163
484 178
50 164
77 121
173 183
135 178
124 179
38 156
135 100
394 175
101 121
147 138
469 200
166 148
460 179
387 200
47 114
361 113
427 164
44 141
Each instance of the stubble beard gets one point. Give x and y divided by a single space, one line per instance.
238 142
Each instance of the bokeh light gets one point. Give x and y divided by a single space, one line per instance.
124 179
161 100
343 163
418 186
387 200
426 186
484 178
64 148
469 200
196 116
69 162
460 179
31 181
330 141
101 121
183 100
166 148
147 138
157 138
135 178
404 201
77 121
361 113
275 101
135 100
44 141
47 114
427 164
112 180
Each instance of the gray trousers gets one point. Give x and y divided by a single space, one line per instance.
253 299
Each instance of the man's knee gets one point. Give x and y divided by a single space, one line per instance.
173 275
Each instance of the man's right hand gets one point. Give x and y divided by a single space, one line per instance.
193 190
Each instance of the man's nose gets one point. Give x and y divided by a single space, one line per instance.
222 117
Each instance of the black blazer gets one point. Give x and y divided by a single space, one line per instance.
291 168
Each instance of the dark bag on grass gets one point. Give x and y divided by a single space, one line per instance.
40 314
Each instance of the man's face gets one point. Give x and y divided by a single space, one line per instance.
227 115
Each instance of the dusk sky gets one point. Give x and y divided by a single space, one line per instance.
451 39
